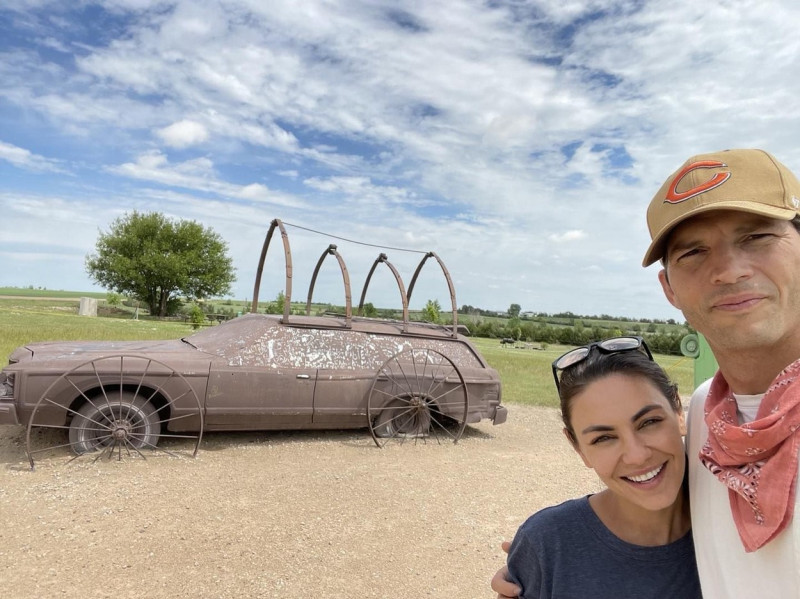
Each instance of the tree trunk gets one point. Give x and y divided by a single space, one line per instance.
162 312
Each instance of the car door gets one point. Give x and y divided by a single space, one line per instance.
259 398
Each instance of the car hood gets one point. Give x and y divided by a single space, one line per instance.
55 350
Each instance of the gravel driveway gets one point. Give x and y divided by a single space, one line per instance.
322 514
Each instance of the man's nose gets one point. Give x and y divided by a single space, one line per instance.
729 265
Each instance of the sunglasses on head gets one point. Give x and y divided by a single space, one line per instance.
608 346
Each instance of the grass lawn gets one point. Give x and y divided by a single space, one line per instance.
49 293
24 321
527 375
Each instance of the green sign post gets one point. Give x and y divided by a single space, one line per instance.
695 346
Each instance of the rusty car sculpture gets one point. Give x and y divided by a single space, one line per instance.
400 379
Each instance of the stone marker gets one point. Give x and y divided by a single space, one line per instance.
88 307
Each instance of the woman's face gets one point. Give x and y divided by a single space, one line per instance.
627 431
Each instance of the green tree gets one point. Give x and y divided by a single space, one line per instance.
432 310
278 305
196 316
514 310
154 259
113 299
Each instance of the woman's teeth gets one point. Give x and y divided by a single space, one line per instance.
643 478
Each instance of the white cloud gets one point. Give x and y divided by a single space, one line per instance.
566 236
489 132
183 134
25 159
197 174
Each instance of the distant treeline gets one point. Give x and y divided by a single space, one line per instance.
563 328
660 340
558 317
566 328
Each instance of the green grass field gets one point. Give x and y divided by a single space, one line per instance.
525 373
27 320
50 293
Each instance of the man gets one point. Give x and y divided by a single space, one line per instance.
725 227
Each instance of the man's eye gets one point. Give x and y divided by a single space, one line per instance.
758 236
688 254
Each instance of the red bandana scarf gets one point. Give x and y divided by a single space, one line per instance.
758 460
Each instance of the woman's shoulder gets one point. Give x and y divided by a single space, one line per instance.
555 517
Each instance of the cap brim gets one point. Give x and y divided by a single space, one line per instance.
657 247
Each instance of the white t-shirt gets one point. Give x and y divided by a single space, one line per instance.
726 569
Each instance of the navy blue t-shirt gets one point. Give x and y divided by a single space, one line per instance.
566 552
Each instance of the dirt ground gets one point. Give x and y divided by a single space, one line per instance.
303 514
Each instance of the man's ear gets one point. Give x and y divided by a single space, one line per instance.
667 288
682 422
574 443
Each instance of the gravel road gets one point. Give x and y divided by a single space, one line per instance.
303 514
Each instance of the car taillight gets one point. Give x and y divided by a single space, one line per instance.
6 385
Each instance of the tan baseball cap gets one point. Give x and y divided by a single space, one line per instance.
746 180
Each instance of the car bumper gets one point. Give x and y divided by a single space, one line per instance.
8 413
500 415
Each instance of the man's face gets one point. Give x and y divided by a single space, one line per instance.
736 278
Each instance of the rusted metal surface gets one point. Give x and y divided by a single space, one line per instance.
264 343
400 379
405 296
115 406
382 259
450 287
415 393
348 305
287 252
254 372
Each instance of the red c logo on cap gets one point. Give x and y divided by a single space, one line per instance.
674 196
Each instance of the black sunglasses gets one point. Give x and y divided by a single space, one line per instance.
607 346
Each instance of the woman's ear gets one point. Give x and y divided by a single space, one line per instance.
574 442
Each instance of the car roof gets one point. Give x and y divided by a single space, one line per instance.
331 322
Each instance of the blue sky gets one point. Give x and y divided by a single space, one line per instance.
520 141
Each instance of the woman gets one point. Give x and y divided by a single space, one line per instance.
623 417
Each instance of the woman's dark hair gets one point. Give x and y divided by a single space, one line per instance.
598 365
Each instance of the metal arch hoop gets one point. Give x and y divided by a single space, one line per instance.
276 223
403 297
449 286
345 276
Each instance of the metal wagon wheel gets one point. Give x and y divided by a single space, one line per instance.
416 394
116 407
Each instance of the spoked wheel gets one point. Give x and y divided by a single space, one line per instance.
417 394
116 407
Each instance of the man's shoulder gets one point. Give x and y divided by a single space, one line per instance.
695 421
702 390
698 398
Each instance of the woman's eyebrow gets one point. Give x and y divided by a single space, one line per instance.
596 428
